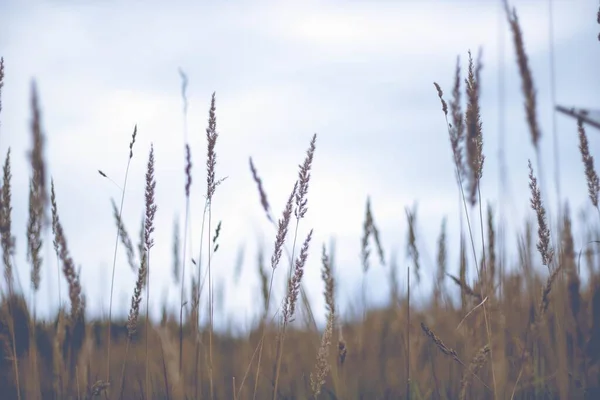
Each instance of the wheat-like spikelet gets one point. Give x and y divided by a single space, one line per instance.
36 155
216 236
261 191
457 133
136 299
545 298
150 202
7 242
543 245
588 162
280 237
440 344
476 364
322 367
474 137
465 288
7 239
211 159
264 282
188 170
125 239
441 96
527 86
282 229
327 276
456 129
370 229
75 293
442 261
303 181
34 237
289 307
149 243
411 241
54 211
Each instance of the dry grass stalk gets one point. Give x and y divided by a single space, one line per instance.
322 367
7 239
465 288
474 367
294 280
176 260
304 180
261 191
282 230
457 133
528 88
545 298
327 276
543 245
34 240
280 237
8 243
289 306
588 162
36 155
75 293
149 243
136 299
264 282
370 229
34 247
474 138
447 350
54 242
125 239
211 184
121 232
440 344
411 241
442 261
134 313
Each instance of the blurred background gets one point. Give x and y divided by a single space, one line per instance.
359 74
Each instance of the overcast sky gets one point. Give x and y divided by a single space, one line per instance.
359 74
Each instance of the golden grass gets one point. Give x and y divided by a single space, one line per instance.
528 334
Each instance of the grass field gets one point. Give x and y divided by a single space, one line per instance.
512 333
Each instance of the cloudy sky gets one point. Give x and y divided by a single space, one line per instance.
359 74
